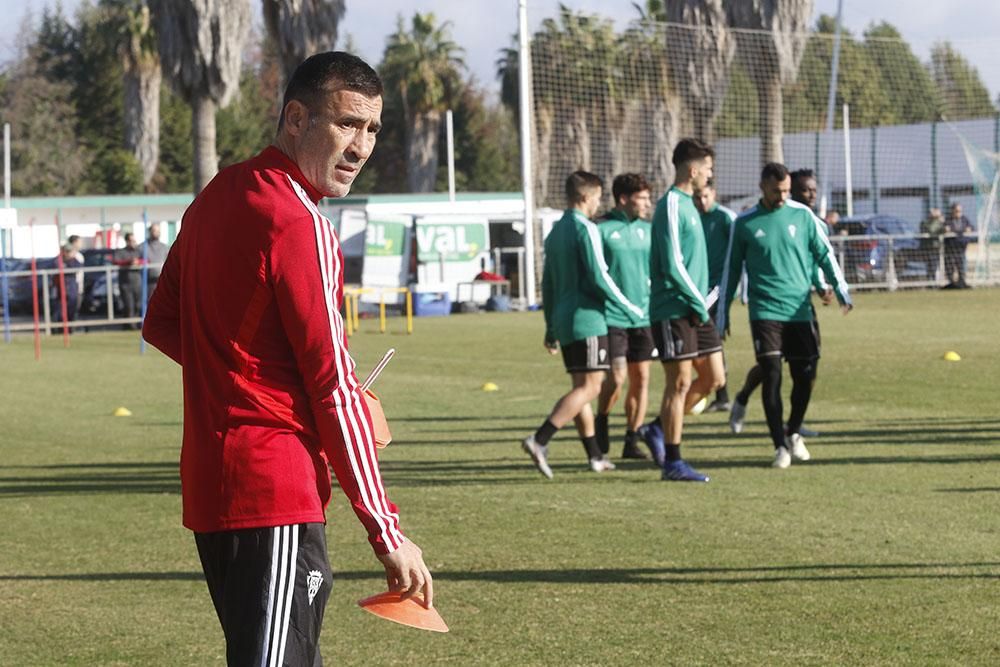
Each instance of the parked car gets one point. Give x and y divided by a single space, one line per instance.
19 287
867 260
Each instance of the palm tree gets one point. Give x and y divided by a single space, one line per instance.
301 28
201 44
142 78
700 50
422 67
646 64
771 40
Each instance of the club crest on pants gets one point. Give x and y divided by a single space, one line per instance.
314 581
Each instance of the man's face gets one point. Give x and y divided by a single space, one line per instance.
337 139
636 205
591 202
702 172
704 199
154 232
805 192
775 192
956 211
130 241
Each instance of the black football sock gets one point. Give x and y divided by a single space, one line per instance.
771 394
754 378
601 433
673 452
590 446
631 439
545 433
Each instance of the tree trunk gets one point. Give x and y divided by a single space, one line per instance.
664 132
142 117
578 141
770 100
542 157
206 160
422 151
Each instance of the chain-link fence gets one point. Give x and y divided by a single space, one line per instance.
912 136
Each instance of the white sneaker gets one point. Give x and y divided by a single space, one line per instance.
736 415
602 464
782 459
699 407
797 446
539 454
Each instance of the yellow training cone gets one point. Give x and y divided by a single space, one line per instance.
952 356
123 412
489 386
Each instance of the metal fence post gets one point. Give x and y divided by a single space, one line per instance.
891 277
46 309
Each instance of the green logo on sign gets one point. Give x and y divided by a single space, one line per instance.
458 243
384 239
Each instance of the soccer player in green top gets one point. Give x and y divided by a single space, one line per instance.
625 233
805 191
679 301
575 288
717 222
779 243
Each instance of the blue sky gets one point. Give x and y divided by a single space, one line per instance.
483 27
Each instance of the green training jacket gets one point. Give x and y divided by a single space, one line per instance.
575 282
678 260
626 250
780 250
718 224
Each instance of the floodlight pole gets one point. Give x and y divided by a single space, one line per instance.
6 165
831 100
848 177
527 182
450 135
3 234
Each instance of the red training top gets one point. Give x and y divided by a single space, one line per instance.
248 304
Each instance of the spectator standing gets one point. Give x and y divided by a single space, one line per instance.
933 227
129 259
71 281
155 252
954 247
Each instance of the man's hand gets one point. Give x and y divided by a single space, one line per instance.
551 346
405 571
846 308
827 296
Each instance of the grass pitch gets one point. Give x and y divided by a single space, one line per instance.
885 549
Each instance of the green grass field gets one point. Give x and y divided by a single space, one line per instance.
885 549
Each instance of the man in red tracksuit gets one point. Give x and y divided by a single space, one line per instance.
248 304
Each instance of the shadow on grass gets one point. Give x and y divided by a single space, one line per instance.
116 478
980 489
646 575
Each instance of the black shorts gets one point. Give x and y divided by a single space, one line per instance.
678 340
791 340
587 354
269 587
634 344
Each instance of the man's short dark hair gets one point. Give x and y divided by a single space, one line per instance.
775 170
128 235
328 72
579 183
73 238
626 185
801 175
689 150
